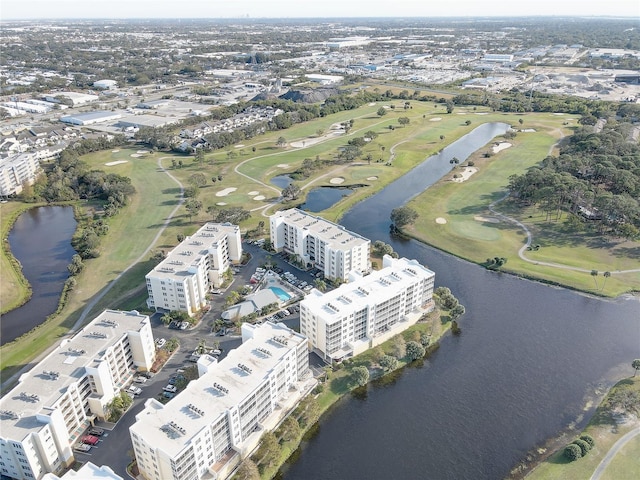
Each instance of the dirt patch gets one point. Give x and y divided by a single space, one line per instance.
111 164
481 218
501 146
225 192
465 174
441 221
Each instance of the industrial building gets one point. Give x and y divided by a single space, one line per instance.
54 403
320 243
368 310
105 84
207 429
183 279
90 118
74 98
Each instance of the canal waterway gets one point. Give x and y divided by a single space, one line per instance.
531 362
41 241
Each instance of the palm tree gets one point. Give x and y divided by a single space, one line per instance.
605 275
594 274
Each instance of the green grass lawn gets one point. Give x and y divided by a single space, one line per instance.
470 231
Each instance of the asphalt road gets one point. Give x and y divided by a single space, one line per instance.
114 448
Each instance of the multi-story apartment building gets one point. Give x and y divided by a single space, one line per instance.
368 310
52 405
320 243
18 171
207 429
182 280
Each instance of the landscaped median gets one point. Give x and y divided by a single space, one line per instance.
411 345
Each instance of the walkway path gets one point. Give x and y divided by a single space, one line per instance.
142 256
613 452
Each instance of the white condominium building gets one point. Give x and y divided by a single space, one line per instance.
18 171
207 429
52 405
320 243
368 310
182 280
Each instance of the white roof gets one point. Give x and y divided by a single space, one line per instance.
336 236
184 259
362 291
152 423
48 380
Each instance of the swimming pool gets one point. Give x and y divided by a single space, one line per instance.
282 295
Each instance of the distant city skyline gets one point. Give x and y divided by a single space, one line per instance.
62 9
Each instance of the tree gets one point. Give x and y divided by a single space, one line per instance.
248 470
404 121
450 105
269 450
360 375
370 134
636 366
605 275
309 411
199 157
594 274
442 138
291 192
399 347
281 142
415 350
584 446
402 216
382 112
589 439
193 207
388 362
572 452
320 284
198 180
456 312
290 429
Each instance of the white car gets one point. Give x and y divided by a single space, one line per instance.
170 388
135 390
140 379
82 447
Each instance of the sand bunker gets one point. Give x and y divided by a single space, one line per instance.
221 204
372 104
336 181
238 146
435 119
115 151
501 146
135 155
462 113
111 164
441 220
371 179
253 193
142 152
283 165
465 174
225 192
482 113
528 130
480 218
259 197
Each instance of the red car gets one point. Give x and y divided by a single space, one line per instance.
90 439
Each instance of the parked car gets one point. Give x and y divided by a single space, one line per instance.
96 431
135 390
147 374
170 388
140 379
90 439
160 342
168 395
82 447
184 325
177 378
217 352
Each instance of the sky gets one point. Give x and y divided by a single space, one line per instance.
44 9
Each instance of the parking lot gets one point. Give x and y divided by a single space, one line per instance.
113 446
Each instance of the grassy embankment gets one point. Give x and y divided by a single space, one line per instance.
605 431
15 289
474 233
